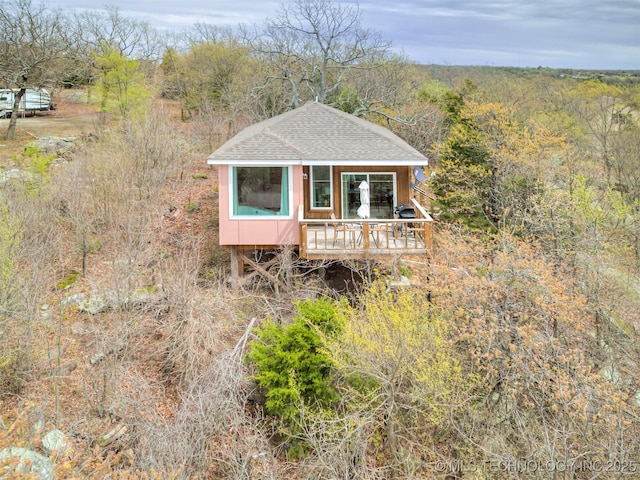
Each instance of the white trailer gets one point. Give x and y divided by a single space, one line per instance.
32 101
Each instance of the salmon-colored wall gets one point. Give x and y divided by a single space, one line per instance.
256 231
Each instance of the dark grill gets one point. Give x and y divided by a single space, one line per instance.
405 211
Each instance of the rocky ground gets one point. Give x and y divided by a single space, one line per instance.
190 209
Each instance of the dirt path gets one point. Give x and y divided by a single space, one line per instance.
72 117
49 124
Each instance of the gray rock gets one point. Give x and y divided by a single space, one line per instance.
393 284
93 305
45 312
610 373
75 299
112 300
15 174
29 462
54 145
54 442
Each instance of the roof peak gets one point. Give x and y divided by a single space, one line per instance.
316 131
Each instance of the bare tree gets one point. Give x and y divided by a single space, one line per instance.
130 37
33 48
312 44
102 32
207 33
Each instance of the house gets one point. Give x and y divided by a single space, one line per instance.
299 180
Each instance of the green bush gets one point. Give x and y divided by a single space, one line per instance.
292 364
38 161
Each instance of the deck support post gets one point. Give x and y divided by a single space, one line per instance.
237 265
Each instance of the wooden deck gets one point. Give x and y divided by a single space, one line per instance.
336 239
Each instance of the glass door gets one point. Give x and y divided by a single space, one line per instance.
382 194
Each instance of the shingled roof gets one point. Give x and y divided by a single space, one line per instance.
316 134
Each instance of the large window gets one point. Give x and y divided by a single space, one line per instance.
321 196
382 194
260 191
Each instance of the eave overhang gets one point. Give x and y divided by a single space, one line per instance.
335 163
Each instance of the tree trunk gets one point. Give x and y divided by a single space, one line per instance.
392 439
11 131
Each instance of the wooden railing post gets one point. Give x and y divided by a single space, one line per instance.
428 236
303 240
365 235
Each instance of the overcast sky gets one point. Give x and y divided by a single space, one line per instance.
588 34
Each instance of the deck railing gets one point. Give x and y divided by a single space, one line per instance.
342 238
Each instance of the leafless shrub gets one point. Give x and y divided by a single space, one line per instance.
29 245
110 340
194 331
339 446
212 434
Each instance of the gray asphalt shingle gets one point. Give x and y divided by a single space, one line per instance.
316 131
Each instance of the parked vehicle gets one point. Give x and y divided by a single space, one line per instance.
34 100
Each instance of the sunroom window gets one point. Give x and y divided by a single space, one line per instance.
260 191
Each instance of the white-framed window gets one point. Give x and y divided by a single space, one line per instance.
382 193
321 188
260 191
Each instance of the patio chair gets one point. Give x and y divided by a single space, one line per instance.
345 228
383 234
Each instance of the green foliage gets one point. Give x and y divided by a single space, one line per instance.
122 86
36 161
292 364
450 102
494 168
405 271
400 338
172 74
463 180
323 314
68 280
212 72
348 101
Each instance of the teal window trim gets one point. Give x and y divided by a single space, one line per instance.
260 192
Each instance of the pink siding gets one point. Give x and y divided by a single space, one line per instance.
252 231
